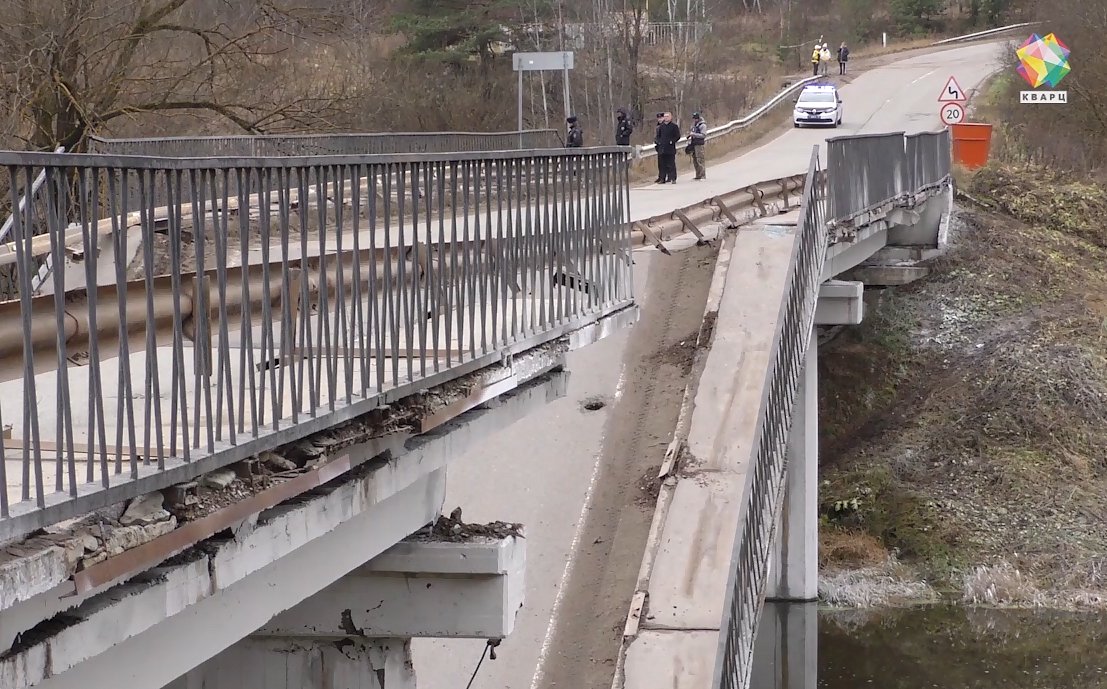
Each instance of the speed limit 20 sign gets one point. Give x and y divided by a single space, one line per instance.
952 113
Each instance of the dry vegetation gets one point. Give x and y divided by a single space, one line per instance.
1072 137
968 414
966 418
172 67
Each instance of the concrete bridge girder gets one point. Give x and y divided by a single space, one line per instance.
357 632
920 226
432 590
119 637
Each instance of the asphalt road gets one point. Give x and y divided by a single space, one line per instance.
902 96
539 471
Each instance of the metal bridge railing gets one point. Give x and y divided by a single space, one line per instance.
327 144
868 170
745 593
244 334
863 170
928 158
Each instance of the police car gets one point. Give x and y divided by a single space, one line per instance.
818 104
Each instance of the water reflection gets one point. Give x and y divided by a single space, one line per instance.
786 655
799 647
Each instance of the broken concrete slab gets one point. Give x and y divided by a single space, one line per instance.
219 480
277 463
145 509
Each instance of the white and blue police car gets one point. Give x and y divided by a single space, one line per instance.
818 104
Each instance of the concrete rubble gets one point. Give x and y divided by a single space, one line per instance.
35 564
219 480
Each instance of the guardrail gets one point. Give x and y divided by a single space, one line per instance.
745 592
985 34
375 143
759 200
869 170
211 371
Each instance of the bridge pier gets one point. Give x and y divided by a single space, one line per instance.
794 569
298 663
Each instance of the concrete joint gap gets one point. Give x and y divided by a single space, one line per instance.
664 628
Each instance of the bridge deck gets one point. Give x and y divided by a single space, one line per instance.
692 555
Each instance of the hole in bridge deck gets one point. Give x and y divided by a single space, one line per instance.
593 404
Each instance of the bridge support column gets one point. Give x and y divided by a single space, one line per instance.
794 571
301 663
785 655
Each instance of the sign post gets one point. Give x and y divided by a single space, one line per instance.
542 62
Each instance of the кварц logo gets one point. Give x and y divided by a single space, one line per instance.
1043 61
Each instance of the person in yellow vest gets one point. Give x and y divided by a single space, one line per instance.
815 55
824 59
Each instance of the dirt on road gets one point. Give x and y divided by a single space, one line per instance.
656 366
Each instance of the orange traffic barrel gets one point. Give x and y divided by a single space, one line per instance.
971 142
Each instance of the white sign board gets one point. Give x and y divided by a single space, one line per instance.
952 93
953 113
541 62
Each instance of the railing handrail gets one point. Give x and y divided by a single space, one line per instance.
901 165
298 136
984 34
35 186
920 163
765 470
264 355
647 150
138 162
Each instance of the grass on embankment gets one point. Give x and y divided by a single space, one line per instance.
964 423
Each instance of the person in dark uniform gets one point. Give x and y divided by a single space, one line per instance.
668 134
575 137
623 128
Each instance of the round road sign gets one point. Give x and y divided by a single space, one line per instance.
952 113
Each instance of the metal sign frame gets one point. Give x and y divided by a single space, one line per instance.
543 62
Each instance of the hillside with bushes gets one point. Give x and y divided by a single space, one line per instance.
175 67
966 419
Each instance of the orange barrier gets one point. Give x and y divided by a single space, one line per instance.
971 142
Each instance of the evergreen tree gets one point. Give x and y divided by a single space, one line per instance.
455 31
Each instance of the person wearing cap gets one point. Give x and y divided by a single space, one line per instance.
575 137
824 59
698 137
816 54
623 127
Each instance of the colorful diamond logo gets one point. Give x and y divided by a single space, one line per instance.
1043 60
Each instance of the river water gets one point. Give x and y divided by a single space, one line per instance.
801 647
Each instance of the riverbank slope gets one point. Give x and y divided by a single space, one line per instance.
964 422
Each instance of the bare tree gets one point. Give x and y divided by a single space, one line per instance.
87 63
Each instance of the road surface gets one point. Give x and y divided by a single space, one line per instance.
540 471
